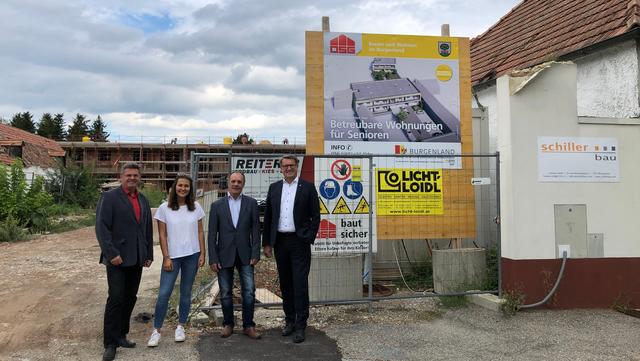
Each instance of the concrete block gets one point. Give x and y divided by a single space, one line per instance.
335 277
457 268
488 301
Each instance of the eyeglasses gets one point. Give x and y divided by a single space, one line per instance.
284 166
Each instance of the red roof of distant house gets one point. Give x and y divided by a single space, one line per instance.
9 133
536 31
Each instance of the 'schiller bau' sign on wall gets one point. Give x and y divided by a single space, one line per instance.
345 220
572 159
391 94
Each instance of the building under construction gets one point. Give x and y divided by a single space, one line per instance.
162 162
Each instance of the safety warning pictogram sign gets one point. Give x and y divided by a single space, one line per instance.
341 207
323 207
362 207
344 193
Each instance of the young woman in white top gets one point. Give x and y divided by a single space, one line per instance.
182 244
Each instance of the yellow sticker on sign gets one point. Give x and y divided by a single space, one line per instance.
356 173
403 192
323 207
362 207
341 207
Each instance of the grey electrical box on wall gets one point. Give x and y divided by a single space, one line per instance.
571 228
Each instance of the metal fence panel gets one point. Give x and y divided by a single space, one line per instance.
431 222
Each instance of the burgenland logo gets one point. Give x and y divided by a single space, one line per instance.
444 48
342 44
400 149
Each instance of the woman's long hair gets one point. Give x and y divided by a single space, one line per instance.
173 195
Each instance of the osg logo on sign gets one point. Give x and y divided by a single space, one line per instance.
410 180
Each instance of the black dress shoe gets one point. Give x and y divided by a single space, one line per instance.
298 336
109 354
123 342
288 329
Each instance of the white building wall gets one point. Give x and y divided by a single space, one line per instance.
607 86
488 99
547 106
608 82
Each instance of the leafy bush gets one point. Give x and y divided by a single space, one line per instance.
26 204
154 195
11 230
491 279
73 185
513 298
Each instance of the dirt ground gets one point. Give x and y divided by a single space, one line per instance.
53 291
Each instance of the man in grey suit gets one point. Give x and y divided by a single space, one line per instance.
234 242
125 234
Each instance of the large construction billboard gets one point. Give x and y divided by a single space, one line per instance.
399 95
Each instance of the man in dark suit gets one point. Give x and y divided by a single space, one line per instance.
125 234
291 222
234 242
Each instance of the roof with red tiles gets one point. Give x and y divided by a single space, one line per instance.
536 31
5 158
9 133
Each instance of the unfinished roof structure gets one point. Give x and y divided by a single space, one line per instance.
536 31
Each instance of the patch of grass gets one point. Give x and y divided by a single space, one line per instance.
513 298
420 277
427 315
70 222
12 231
453 301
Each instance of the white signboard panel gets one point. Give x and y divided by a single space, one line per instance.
345 202
259 173
574 159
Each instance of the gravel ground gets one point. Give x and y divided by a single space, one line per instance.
418 330
52 293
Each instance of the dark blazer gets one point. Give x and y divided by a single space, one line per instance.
118 232
306 212
224 240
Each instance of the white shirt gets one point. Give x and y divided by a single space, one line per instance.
285 223
182 229
234 207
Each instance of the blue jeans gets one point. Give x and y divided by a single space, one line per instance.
188 267
225 281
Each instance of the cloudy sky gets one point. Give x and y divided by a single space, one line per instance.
198 68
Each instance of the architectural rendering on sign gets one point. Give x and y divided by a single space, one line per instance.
381 91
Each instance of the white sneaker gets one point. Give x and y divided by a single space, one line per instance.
179 335
154 340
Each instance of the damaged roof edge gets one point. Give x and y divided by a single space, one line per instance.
527 75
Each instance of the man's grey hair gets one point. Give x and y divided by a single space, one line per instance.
130 165
290 157
238 172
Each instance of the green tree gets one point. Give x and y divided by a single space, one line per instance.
78 129
73 185
59 132
24 121
45 127
52 127
98 131
239 139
